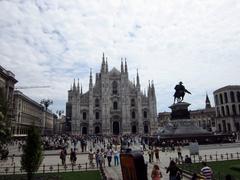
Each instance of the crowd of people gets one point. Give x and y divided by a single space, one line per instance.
105 151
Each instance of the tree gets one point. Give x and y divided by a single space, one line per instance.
5 130
32 152
46 103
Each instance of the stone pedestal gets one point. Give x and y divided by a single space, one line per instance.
180 111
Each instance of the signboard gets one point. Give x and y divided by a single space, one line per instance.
194 148
133 166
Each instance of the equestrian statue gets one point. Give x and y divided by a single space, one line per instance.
180 92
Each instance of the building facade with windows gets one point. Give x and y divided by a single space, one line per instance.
28 112
227 101
7 83
113 105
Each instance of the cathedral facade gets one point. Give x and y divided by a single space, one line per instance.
113 105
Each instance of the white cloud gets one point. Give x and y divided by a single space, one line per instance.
52 42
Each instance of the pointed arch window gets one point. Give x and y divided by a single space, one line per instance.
114 87
132 102
84 115
97 115
115 105
133 115
145 114
97 103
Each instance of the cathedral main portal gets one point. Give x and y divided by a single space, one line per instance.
116 128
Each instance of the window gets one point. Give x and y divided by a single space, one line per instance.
223 111
234 109
221 99
232 96
216 99
96 102
220 127
238 96
218 112
84 115
115 105
114 87
97 115
145 114
225 97
227 112
132 102
133 115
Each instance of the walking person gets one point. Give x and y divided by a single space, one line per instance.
73 157
109 156
174 172
156 173
97 158
206 171
63 156
157 154
116 157
90 157
150 155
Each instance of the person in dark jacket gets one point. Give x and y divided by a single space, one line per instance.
174 172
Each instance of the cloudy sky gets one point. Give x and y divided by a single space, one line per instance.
51 42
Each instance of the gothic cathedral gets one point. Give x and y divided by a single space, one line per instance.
112 106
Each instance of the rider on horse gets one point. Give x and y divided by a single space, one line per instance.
180 92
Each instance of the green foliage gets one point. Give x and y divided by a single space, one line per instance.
220 168
32 152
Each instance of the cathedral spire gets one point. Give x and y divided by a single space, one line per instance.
153 89
78 86
81 90
126 68
138 82
149 88
207 102
122 70
90 79
74 85
106 65
103 64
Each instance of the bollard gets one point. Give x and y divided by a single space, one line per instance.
58 168
86 166
14 168
227 155
216 157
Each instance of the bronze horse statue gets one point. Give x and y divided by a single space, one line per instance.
180 92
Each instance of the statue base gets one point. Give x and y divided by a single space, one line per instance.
180 111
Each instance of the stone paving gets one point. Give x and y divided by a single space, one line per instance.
52 158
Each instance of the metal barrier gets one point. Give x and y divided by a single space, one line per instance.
10 170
